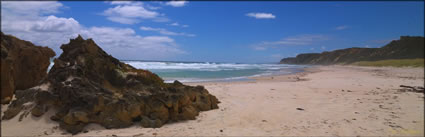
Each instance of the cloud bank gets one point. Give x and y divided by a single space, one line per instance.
36 22
126 12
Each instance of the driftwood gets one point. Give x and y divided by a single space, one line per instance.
416 89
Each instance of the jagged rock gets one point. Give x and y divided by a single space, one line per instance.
86 85
23 65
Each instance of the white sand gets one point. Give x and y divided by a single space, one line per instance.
337 101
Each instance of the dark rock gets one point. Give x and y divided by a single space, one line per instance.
188 112
38 110
86 85
177 83
300 109
23 65
417 89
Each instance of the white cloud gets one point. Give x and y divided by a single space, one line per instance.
126 12
176 3
28 21
343 27
131 11
261 15
291 41
122 3
129 14
165 31
124 40
175 24
323 47
30 8
53 31
134 3
55 24
152 7
124 20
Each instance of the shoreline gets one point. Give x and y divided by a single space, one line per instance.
320 101
250 79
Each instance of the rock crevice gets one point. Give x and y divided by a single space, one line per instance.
23 65
86 85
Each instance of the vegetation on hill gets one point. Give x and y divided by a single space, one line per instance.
393 63
406 48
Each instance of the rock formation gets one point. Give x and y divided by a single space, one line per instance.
405 48
86 85
23 65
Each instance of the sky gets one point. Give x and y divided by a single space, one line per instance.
213 31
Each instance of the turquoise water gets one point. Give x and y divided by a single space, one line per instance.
207 71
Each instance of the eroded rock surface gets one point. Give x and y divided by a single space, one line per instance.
23 65
86 85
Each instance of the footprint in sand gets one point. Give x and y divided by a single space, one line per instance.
362 128
137 135
346 120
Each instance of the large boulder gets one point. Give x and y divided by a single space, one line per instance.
86 85
23 65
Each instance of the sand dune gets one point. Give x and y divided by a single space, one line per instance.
323 101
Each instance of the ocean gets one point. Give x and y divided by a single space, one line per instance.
211 71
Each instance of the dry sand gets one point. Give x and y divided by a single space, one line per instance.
333 101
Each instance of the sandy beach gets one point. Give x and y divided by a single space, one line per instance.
322 101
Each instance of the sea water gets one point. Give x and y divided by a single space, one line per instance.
212 71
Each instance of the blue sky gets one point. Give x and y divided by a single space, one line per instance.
215 31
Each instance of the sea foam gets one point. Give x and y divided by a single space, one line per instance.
211 71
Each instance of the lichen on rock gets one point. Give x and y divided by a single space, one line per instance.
86 85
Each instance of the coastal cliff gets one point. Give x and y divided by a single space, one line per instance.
23 65
86 85
406 48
